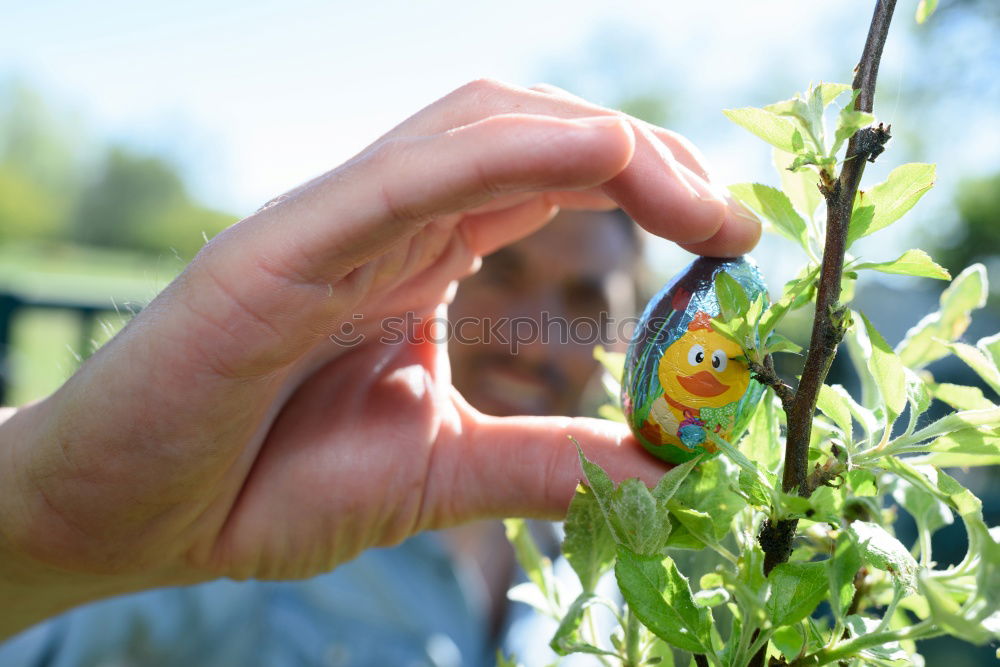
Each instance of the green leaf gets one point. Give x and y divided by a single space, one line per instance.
660 597
672 480
831 91
762 443
711 597
835 406
887 370
948 614
801 186
966 448
890 651
797 292
796 589
961 397
645 524
880 549
949 424
991 347
929 512
710 489
613 362
504 661
634 516
923 343
862 482
978 361
789 640
750 485
888 201
849 121
777 343
772 128
924 9
733 301
588 544
567 638
535 565
604 490
910 263
841 568
773 205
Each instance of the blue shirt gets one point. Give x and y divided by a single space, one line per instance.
403 606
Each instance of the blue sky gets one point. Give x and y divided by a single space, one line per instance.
251 98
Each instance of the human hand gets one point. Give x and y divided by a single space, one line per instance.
222 432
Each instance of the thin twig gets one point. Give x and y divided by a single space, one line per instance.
766 375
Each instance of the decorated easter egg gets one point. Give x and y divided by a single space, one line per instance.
683 380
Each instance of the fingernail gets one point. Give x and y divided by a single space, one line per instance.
740 211
599 121
703 190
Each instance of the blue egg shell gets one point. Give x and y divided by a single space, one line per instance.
682 378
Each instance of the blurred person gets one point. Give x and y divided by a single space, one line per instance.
575 277
223 436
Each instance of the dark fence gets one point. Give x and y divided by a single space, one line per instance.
13 305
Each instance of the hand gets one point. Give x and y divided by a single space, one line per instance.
222 432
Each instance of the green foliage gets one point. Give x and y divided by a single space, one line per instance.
57 184
973 236
851 592
888 201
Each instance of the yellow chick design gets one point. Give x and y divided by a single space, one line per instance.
702 381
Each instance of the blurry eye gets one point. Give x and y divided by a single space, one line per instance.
719 360
696 355
585 297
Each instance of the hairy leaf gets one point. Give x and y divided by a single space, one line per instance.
882 550
888 201
978 361
772 128
567 638
801 186
588 544
796 589
887 370
660 597
841 568
535 565
733 301
835 406
923 343
773 206
910 263
924 9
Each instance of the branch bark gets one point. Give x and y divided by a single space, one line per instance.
829 321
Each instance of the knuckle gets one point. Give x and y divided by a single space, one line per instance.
483 89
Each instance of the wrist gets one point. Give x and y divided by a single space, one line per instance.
31 588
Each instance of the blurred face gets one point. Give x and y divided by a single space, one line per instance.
574 269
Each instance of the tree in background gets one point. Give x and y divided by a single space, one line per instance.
58 184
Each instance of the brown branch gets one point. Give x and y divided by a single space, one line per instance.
766 375
829 321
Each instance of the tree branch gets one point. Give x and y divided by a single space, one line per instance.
829 323
830 320
766 375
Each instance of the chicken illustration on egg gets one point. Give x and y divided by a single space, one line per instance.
684 382
703 380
